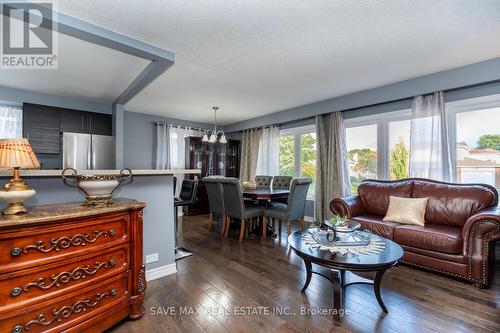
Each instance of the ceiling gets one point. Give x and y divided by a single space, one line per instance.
261 56
85 70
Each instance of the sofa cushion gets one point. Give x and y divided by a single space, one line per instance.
433 237
374 224
375 194
452 204
406 210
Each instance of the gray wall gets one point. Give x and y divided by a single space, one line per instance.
156 191
140 136
453 81
21 96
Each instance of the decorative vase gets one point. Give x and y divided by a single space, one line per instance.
250 185
98 189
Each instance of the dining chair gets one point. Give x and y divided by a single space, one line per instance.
215 201
186 197
294 209
263 181
235 207
281 182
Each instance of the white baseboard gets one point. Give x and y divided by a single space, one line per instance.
159 272
308 218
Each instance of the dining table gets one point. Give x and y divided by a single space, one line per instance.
265 194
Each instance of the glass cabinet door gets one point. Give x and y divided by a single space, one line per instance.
221 160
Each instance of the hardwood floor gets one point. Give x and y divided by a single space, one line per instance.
225 276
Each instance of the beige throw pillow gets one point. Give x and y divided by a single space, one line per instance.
406 210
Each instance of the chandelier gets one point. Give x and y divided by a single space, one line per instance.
214 134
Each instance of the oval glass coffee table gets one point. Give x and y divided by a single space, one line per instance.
342 267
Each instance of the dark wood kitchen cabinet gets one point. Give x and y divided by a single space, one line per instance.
41 126
86 122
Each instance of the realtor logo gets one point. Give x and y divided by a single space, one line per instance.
29 38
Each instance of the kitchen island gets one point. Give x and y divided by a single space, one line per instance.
153 187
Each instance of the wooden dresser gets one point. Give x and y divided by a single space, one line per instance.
71 268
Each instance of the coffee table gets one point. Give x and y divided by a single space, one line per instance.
342 268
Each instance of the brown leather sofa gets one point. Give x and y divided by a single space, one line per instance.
462 223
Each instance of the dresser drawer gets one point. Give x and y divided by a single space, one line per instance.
59 314
56 242
38 284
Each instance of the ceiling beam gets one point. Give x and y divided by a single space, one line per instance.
161 59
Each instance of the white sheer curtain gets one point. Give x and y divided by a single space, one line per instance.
268 158
11 122
178 150
429 139
162 146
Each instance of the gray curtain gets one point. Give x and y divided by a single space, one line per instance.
332 169
249 154
162 156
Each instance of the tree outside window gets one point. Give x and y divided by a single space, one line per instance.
298 155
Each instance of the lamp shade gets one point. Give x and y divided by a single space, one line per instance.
17 153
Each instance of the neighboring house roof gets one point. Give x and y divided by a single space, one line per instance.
484 151
472 162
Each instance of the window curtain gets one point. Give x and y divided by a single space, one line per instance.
11 122
429 139
332 169
268 157
162 146
250 141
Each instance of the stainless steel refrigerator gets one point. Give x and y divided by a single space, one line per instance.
88 151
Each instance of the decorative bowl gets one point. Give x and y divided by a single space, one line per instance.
342 231
98 189
251 185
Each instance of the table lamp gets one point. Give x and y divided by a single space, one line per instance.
16 154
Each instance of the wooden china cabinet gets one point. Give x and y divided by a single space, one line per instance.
212 159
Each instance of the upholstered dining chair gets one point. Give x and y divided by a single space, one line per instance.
294 209
235 206
282 182
215 202
263 181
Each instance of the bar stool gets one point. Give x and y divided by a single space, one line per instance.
185 198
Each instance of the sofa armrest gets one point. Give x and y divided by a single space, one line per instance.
478 233
349 206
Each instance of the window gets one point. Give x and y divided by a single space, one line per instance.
378 147
399 149
308 160
287 157
362 153
298 154
475 127
11 122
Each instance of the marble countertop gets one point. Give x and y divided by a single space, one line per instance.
57 212
135 172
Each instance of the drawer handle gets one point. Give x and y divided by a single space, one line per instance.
58 315
65 242
15 291
17 329
65 277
